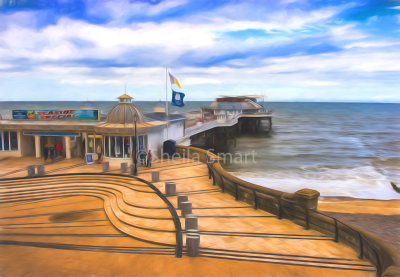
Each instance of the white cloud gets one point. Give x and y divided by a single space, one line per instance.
348 32
121 11
201 80
52 53
372 44
92 81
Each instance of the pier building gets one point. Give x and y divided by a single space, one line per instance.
83 131
87 131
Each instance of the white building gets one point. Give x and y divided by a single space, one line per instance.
81 132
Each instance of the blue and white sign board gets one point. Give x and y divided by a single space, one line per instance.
89 159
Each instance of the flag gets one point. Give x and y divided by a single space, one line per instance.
177 98
173 80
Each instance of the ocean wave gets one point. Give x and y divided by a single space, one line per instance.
361 182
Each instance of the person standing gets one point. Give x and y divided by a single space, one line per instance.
149 158
45 152
98 152
142 157
59 148
52 151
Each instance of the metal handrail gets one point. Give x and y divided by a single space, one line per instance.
361 238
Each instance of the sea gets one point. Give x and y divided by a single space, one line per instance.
340 149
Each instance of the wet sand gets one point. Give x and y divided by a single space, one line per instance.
381 217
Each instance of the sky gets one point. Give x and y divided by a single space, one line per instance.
317 50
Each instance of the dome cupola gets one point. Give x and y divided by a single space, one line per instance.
125 112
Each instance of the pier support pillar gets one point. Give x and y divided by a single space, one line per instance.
270 124
38 151
67 147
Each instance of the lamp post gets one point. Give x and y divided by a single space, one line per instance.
134 157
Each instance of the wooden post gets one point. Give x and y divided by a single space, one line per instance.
236 192
255 200
191 221
361 246
193 243
40 169
336 231
307 198
186 208
170 188
106 166
155 176
307 219
182 198
31 170
124 167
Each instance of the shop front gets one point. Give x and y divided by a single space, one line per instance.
33 132
75 133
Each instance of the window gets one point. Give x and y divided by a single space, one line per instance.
106 147
127 147
13 141
122 146
112 146
118 147
8 141
93 142
141 143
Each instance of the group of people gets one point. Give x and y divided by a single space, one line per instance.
146 158
52 151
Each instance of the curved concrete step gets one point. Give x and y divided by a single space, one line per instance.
126 202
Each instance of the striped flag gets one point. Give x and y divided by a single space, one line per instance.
173 80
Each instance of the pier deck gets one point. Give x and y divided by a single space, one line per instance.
69 233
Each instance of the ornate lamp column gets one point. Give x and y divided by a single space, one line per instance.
134 153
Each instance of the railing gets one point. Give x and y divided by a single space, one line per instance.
286 205
177 222
210 124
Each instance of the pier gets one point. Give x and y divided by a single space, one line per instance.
207 133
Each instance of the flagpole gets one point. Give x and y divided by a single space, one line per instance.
166 92
166 97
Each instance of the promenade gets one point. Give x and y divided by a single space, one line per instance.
105 225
